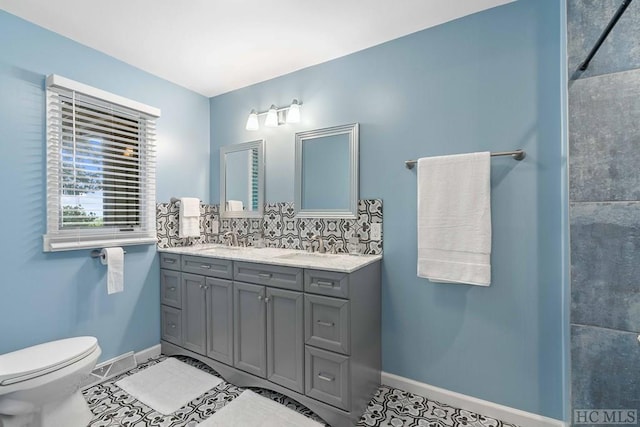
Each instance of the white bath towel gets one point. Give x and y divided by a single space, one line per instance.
454 218
189 217
235 205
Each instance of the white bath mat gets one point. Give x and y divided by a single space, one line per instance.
168 385
251 409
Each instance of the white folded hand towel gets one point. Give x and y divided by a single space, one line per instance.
235 205
189 217
454 218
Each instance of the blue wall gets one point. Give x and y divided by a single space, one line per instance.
490 81
56 295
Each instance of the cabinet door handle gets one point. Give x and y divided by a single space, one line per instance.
206 266
170 261
267 299
324 284
326 377
259 297
323 323
264 275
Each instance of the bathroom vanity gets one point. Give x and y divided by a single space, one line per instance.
305 325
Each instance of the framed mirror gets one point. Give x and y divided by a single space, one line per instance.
242 180
326 172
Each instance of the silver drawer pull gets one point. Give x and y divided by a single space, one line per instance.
323 323
264 275
207 266
324 284
172 325
169 261
172 288
326 377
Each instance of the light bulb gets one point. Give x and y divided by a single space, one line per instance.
252 121
293 115
272 117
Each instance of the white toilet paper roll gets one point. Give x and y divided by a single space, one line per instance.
113 258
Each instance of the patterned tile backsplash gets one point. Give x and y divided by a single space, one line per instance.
279 226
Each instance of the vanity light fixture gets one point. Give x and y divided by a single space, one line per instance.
275 116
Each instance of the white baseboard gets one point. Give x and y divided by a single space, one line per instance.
148 353
469 403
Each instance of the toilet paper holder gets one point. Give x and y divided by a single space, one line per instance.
97 253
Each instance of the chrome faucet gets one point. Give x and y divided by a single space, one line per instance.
321 248
231 238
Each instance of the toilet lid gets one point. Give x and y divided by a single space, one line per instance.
40 359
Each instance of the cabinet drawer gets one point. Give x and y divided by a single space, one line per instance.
326 323
207 266
171 325
270 275
169 261
327 377
326 283
170 288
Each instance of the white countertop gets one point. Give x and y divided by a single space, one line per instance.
287 257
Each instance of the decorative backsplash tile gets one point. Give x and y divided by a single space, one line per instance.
167 225
279 226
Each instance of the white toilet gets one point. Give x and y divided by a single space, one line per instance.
40 385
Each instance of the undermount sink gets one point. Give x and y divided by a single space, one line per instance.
308 256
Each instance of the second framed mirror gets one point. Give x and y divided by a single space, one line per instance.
242 180
326 172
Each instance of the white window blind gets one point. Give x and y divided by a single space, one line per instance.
100 168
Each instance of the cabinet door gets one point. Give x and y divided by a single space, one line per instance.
194 324
285 335
220 320
249 328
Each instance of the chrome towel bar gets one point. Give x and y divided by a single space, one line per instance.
516 154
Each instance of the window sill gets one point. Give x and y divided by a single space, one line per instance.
55 244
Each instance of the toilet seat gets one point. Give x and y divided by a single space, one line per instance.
41 359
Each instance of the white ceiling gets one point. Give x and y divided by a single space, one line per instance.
214 46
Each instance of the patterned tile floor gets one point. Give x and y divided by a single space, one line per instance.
113 407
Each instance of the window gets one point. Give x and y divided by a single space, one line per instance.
100 168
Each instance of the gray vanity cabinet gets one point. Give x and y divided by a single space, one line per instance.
310 334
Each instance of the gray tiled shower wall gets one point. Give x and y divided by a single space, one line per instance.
279 226
604 189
